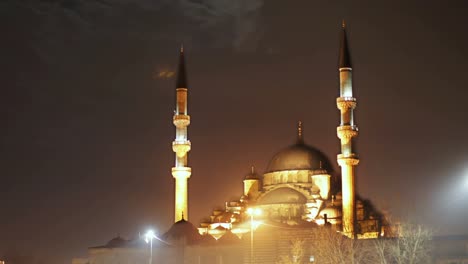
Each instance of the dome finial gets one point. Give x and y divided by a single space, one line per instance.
299 131
183 216
252 175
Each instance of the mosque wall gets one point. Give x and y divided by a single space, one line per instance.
117 256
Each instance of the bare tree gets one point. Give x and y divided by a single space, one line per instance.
296 255
336 248
381 251
412 245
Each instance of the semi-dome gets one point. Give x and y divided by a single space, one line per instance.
299 157
283 195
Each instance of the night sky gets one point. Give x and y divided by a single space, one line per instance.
88 96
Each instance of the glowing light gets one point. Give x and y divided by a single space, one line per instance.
224 225
256 224
253 225
254 211
149 236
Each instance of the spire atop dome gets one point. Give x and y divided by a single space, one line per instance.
181 73
299 132
344 60
252 175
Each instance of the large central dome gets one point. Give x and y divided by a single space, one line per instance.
299 157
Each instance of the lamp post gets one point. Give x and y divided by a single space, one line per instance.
149 236
252 212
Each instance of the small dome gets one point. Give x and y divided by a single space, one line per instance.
299 157
229 238
182 231
332 212
117 242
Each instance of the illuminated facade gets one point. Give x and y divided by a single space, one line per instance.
299 187
181 145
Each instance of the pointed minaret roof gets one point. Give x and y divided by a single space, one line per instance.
344 60
181 73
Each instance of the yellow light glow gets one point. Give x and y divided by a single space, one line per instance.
202 230
224 225
254 211
239 231
181 175
256 224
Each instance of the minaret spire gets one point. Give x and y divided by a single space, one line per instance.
344 59
346 131
181 145
300 138
181 74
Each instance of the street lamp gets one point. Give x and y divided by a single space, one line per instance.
252 212
149 236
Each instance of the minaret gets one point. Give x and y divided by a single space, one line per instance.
181 145
346 131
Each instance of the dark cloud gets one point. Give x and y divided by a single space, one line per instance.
62 26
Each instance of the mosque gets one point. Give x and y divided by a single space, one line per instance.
297 194
298 187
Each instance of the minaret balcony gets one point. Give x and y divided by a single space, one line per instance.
181 147
181 120
346 133
347 160
346 103
181 172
